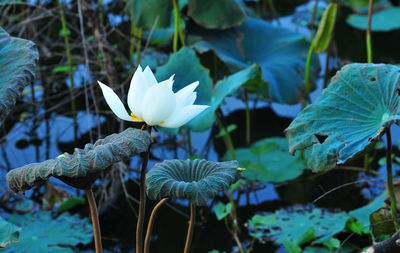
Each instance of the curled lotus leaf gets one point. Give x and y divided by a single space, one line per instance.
17 66
81 168
354 111
195 180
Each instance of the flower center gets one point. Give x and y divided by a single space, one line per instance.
135 118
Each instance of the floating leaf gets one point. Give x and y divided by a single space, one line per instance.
363 213
42 234
266 159
279 52
9 233
221 210
220 14
195 180
382 21
290 246
352 113
17 66
81 168
325 28
187 69
145 12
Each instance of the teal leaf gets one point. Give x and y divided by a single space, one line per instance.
145 12
279 52
382 21
83 167
362 214
353 112
70 203
220 14
195 180
40 233
187 69
221 210
9 233
17 67
266 159
290 246
324 33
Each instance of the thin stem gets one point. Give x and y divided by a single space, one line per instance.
132 41
95 221
313 20
307 75
176 26
389 177
226 137
234 217
101 8
189 141
138 44
248 132
369 48
191 228
142 203
150 225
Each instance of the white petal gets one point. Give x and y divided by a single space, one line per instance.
186 96
171 81
151 79
137 90
114 102
183 116
158 104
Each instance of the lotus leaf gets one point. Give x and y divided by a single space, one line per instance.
280 53
187 69
195 180
17 66
360 103
40 233
265 160
382 21
220 14
9 233
81 168
145 12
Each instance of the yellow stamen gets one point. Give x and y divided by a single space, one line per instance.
135 118
162 122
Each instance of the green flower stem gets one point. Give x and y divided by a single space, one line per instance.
248 132
138 44
101 8
227 137
369 48
307 75
191 228
235 222
151 222
176 25
189 141
95 221
70 70
142 196
389 177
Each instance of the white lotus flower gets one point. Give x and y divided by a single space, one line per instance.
155 103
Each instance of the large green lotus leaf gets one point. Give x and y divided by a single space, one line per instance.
17 67
382 21
145 12
9 233
83 167
220 14
40 233
194 180
279 52
360 102
301 224
187 69
362 214
267 160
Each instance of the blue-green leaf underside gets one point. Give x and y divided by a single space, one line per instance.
9 233
40 233
145 12
17 67
194 180
81 168
279 52
382 21
354 111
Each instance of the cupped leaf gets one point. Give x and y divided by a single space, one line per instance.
220 14
145 12
17 67
325 28
83 167
195 180
267 160
187 69
382 21
354 111
9 233
279 52
40 233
